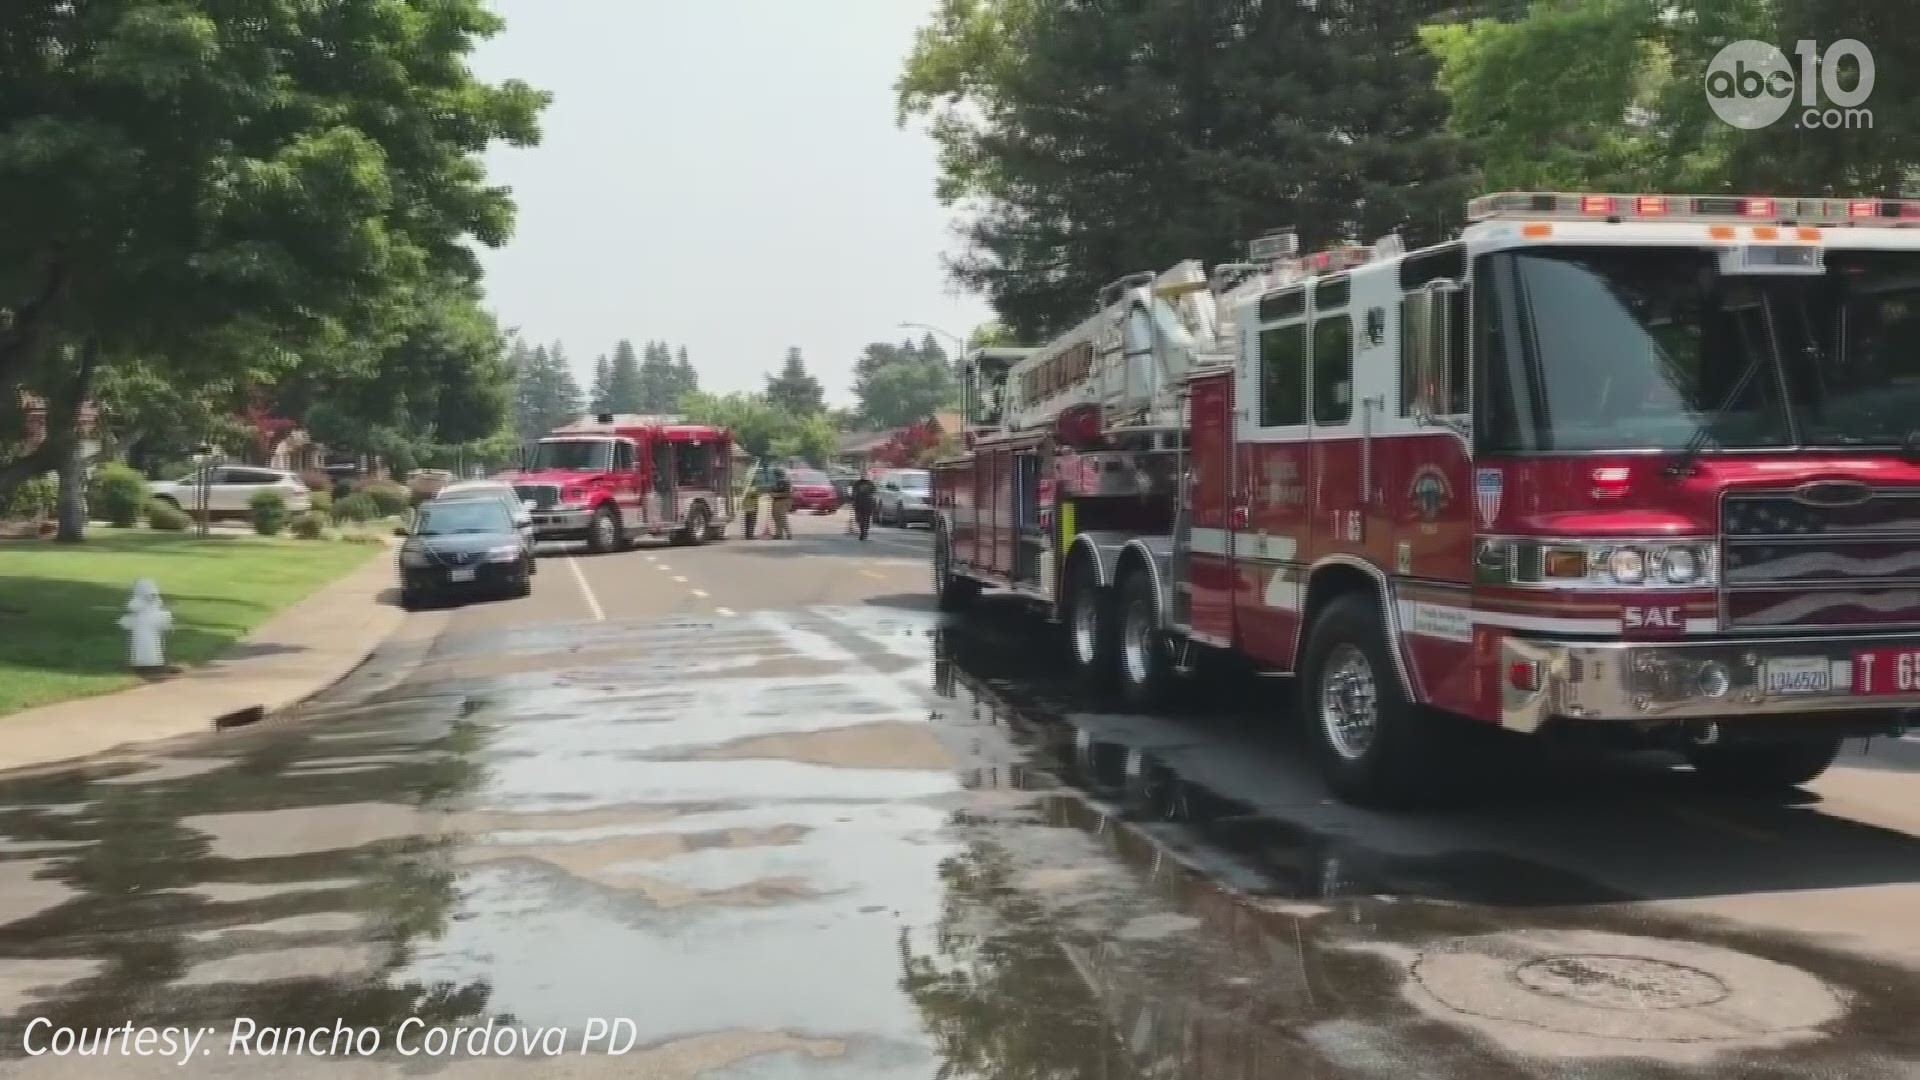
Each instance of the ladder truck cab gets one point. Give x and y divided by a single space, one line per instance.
610 479
1643 469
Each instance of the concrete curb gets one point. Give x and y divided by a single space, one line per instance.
291 658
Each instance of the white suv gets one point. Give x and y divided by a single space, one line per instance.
230 488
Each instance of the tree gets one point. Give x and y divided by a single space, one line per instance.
226 197
762 428
1626 111
446 376
601 397
897 385
1101 138
545 395
685 380
658 379
625 390
793 389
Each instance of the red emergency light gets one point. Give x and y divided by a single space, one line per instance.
1555 206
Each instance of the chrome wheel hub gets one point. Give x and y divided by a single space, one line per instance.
603 528
1136 647
1086 627
1349 702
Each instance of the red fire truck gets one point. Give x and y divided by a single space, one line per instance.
1635 467
611 479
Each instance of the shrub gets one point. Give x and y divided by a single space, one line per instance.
317 480
360 507
269 512
390 498
363 537
163 516
311 525
322 500
33 499
120 493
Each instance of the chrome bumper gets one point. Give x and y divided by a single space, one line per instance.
561 520
1660 682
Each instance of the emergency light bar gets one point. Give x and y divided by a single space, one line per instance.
1554 206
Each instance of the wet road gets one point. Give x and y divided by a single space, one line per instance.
755 813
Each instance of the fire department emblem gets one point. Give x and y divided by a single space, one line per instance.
1488 486
1429 492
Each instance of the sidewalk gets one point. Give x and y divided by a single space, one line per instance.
293 656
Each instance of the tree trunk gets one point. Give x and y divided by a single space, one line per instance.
73 497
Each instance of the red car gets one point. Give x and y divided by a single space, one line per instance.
813 490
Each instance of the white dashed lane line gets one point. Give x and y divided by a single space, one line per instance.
586 591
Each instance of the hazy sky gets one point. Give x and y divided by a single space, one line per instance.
726 177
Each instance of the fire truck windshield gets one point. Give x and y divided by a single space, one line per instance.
574 455
1617 348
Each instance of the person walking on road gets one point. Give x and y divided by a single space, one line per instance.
782 504
863 497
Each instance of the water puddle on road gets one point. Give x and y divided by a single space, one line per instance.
1269 932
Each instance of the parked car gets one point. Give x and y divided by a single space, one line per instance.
812 490
905 496
230 489
498 490
463 547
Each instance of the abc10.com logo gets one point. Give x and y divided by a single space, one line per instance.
1752 85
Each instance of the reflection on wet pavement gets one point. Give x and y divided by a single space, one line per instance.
846 842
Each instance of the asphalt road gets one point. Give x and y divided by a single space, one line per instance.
752 810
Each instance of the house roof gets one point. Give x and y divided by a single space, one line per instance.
860 442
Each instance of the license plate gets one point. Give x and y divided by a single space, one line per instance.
1798 675
459 574
1879 672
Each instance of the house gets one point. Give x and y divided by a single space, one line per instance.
36 410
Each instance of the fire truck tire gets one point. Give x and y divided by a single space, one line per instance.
694 532
604 533
1375 747
1093 627
952 592
1764 766
1147 677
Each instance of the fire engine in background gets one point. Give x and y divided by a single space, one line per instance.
1638 467
614 478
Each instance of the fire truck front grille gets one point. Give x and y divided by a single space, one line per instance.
543 496
1788 562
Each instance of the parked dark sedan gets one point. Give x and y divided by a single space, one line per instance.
464 547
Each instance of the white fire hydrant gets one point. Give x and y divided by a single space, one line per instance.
146 622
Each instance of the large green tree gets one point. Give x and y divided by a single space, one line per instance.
762 427
1094 139
1607 95
902 384
229 189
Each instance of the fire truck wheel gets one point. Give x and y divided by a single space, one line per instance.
1093 628
1146 656
695 532
1374 746
953 592
603 534
1764 766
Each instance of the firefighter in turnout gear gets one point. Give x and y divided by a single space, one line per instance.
782 499
750 504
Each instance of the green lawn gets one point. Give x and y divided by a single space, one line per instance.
60 604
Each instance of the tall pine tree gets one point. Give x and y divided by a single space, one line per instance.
601 397
625 393
793 390
545 393
657 379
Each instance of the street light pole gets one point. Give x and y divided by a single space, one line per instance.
948 334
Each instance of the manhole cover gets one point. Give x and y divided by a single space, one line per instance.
1617 987
1621 982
